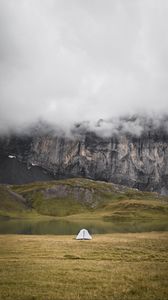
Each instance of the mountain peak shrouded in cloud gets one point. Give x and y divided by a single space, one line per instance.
66 62
135 125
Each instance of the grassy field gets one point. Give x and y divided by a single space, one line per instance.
111 267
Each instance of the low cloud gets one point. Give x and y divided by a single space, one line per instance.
135 125
67 62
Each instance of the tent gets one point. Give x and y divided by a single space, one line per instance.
83 235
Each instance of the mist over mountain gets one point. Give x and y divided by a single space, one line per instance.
135 125
134 153
67 62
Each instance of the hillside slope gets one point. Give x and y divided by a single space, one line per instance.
11 203
82 197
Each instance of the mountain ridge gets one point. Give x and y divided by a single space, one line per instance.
137 161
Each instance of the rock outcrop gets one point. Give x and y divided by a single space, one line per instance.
136 161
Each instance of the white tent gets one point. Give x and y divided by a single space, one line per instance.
83 235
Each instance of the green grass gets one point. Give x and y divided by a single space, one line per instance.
11 204
114 266
78 196
136 209
57 207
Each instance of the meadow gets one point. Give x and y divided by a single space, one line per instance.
130 266
112 266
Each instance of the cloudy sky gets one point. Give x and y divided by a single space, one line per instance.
66 61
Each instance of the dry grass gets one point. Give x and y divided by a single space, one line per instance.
114 266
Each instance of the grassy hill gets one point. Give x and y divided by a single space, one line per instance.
11 203
83 198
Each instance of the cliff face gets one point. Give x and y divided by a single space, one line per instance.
140 162
14 166
136 162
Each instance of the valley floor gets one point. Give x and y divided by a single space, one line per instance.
112 267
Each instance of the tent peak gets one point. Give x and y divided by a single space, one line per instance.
83 235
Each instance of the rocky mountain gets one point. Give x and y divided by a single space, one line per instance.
139 161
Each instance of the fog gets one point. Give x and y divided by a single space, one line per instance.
66 62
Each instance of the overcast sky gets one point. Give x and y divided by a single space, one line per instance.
66 61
